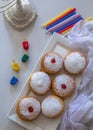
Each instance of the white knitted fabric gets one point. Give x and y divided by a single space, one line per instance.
79 115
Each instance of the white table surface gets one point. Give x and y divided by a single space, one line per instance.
11 48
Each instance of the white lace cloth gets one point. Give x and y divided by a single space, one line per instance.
79 115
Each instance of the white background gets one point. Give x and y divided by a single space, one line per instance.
11 48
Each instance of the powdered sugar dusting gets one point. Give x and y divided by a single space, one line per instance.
75 62
26 103
53 66
67 81
40 82
51 106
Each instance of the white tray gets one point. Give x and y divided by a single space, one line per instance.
58 44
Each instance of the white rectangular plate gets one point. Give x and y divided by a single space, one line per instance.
58 44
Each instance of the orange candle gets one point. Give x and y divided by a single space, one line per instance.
66 12
63 30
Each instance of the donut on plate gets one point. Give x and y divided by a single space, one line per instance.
28 108
40 83
52 62
52 106
75 62
63 86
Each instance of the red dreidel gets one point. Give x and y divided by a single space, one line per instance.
25 45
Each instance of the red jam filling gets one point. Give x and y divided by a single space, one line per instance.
63 86
30 109
53 60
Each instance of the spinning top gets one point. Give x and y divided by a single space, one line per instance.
15 66
14 80
25 58
25 45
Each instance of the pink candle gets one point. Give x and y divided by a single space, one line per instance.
63 23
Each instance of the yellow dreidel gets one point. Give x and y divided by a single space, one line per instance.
15 66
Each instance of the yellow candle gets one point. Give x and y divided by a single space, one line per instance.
65 32
88 19
69 10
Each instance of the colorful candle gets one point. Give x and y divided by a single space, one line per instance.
63 23
63 30
61 15
60 20
66 31
89 19
69 24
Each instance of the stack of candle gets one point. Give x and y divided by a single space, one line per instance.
63 22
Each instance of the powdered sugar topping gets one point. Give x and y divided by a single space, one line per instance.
40 82
75 62
29 102
53 66
64 80
51 106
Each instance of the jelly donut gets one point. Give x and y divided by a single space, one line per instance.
51 62
63 85
28 108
